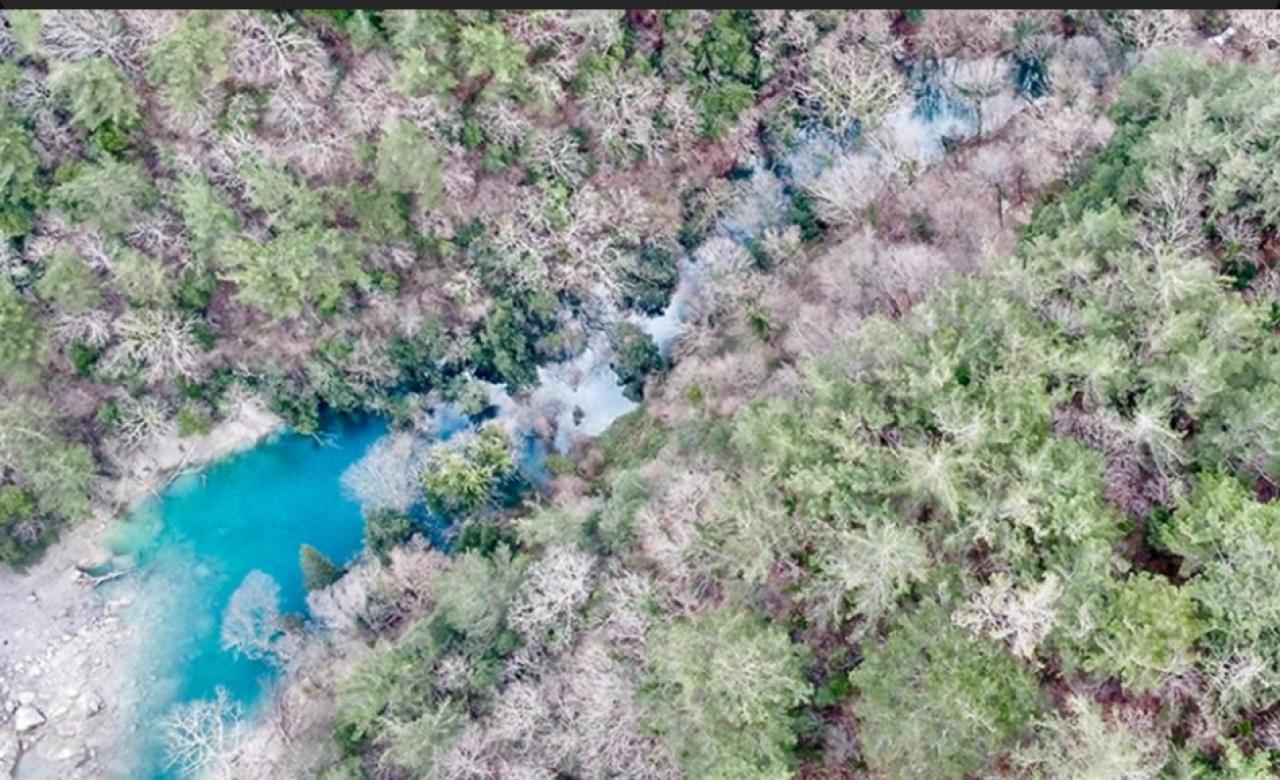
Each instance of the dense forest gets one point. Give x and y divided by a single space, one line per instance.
963 467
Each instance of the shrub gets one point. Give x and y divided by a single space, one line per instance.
193 420
22 533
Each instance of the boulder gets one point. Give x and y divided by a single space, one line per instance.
27 718
90 704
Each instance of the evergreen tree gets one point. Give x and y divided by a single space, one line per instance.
317 570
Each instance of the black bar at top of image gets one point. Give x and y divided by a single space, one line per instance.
328 5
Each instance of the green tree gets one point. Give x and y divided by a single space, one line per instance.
20 335
934 701
1150 631
472 596
185 63
25 26
387 682
96 93
110 195
385 529
647 282
69 284
506 348
485 51
465 477
1230 549
274 190
408 163
417 744
635 357
1083 744
722 690
317 570
722 104
141 278
19 190
207 215
425 42
311 268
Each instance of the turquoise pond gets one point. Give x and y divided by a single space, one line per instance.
194 546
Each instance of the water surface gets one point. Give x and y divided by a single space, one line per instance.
195 545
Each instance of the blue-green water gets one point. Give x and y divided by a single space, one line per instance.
195 545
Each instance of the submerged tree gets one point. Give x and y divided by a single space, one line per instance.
203 738
251 624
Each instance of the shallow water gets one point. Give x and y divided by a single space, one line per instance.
195 545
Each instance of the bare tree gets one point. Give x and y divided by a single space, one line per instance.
852 84
142 420
387 476
551 594
1151 28
202 737
346 605
1019 617
161 343
1261 29
847 188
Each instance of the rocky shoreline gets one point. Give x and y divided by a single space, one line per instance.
66 692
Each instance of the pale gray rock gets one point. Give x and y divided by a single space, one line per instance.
27 718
